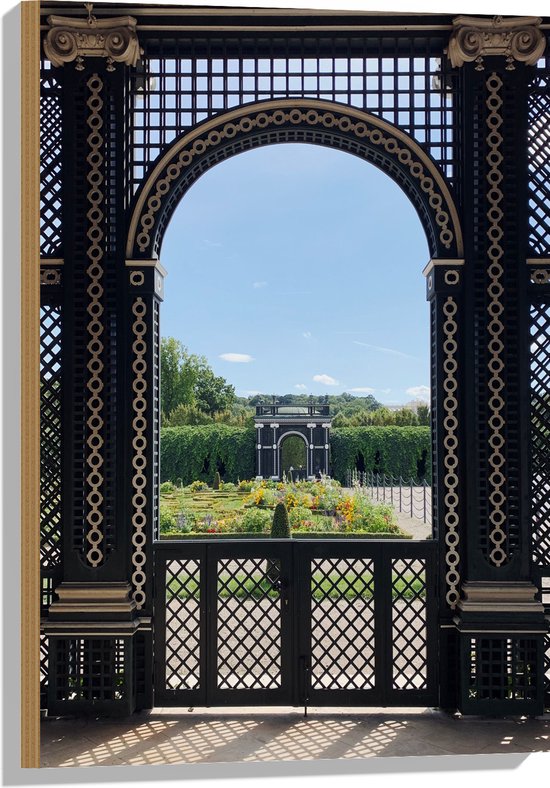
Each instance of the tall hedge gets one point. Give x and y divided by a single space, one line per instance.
197 452
391 450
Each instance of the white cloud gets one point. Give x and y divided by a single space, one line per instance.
207 244
380 349
306 334
326 380
362 390
237 358
250 393
419 392
301 386
258 285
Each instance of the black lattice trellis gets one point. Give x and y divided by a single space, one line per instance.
248 625
50 436
342 623
538 152
185 82
409 630
503 669
89 669
50 163
183 624
44 646
540 430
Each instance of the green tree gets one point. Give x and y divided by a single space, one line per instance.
178 375
189 387
183 415
212 392
423 413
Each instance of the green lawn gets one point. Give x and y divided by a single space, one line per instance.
323 586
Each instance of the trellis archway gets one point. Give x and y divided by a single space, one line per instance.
115 164
317 122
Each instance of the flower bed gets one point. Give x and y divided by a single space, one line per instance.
317 509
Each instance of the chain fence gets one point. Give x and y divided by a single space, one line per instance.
411 497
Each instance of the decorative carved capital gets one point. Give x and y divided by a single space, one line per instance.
74 39
517 38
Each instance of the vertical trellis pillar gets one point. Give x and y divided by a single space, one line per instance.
92 621
500 622
145 290
444 288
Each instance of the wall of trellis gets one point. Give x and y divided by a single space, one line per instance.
89 190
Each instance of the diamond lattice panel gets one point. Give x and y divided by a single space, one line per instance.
50 165
409 631
43 663
539 165
540 429
183 624
50 436
342 623
248 625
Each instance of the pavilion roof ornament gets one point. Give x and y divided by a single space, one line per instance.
72 39
518 38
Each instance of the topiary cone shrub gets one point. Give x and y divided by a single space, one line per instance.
280 529
217 481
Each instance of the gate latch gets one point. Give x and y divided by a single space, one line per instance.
281 586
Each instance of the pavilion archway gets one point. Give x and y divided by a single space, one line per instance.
316 122
115 187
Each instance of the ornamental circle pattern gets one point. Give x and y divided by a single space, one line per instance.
94 253
450 442
495 328
50 276
139 445
261 120
137 278
540 276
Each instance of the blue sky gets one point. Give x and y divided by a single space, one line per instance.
298 268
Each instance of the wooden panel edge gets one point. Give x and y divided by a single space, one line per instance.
30 397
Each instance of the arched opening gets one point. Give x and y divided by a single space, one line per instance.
293 450
305 121
287 275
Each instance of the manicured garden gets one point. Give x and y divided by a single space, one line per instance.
315 508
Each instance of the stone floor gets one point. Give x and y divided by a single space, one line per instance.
181 736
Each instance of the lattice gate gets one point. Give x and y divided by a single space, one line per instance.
296 622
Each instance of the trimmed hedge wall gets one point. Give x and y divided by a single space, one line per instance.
189 453
399 451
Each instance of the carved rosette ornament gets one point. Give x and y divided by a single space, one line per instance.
517 38
74 39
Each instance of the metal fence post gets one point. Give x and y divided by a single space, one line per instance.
424 496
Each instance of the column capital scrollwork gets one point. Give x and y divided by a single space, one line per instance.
517 38
74 39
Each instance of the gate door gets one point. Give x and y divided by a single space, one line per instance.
222 633
296 622
368 623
